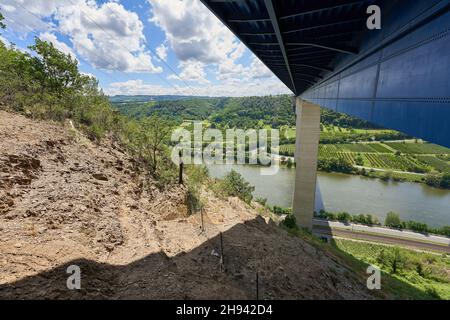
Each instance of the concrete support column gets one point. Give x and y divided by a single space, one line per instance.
306 152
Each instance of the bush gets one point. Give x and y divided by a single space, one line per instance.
344 217
234 185
438 181
416 226
281 211
335 165
261 201
393 221
290 222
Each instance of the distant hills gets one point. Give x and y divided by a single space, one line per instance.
225 112
148 98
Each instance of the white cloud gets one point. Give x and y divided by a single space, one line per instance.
191 71
107 35
231 88
195 35
161 52
199 39
26 16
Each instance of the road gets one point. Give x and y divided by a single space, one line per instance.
387 170
407 239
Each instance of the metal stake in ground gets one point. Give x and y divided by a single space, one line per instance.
222 257
201 214
180 177
257 286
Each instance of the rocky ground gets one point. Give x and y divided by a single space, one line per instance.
65 201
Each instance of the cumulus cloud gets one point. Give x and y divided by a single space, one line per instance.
195 35
191 71
106 35
25 16
229 89
199 39
161 52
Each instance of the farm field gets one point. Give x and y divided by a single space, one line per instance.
418 148
379 155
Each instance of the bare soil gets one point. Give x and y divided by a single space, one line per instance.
65 200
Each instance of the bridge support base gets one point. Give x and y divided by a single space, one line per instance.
306 152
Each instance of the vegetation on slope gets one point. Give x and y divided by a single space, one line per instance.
424 271
243 112
48 85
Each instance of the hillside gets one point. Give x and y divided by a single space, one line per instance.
243 112
66 200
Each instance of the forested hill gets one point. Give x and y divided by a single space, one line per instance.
244 112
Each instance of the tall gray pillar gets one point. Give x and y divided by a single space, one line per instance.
306 152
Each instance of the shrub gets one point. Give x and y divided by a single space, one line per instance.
281 211
234 185
344 217
393 221
290 222
261 201
416 226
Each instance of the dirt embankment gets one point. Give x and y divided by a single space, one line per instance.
65 200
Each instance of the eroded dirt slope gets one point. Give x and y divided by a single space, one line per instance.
65 200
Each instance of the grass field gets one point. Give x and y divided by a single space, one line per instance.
429 273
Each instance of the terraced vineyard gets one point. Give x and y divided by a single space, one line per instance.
418 148
389 161
415 157
438 164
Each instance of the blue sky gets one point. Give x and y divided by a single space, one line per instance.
143 47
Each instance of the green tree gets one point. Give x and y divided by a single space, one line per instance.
197 176
234 185
151 139
290 163
445 181
57 72
344 217
393 220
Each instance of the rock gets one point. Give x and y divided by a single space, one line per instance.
100 176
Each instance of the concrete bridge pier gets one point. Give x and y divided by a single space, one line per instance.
306 153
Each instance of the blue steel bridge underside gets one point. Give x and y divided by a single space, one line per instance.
397 77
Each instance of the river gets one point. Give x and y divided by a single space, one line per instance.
351 193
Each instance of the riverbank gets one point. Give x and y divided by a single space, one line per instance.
377 173
350 193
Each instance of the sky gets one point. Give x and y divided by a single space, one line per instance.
152 47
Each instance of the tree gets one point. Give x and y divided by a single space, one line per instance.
445 181
290 163
234 185
151 140
393 220
344 217
57 71
197 176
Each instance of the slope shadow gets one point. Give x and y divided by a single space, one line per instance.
288 268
